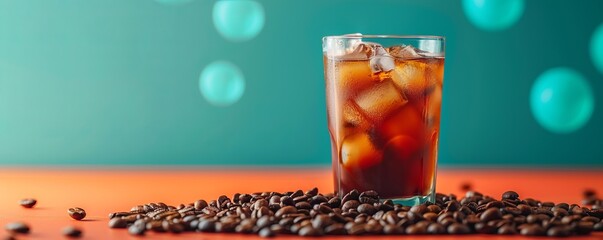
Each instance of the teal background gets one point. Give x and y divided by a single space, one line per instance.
116 82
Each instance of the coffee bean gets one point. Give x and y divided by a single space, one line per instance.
200 204
559 231
285 210
466 186
484 228
136 230
351 204
317 200
206 226
17 227
27 202
264 221
532 230
510 195
355 228
507 230
76 213
457 228
118 223
435 228
369 197
367 209
266 233
598 227
335 229
491 214
312 192
335 202
303 205
582 227
72 232
309 231
591 219
313 214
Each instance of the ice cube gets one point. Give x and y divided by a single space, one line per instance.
381 61
357 151
352 116
358 51
404 51
413 77
380 99
406 121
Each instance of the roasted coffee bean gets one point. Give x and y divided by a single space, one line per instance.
435 228
506 230
484 228
373 228
309 231
335 202
318 199
352 195
118 223
355 228
351 204
559 231
264 221
591 219
582 227
285 210
335 229
367 209
27 202
392 229
72 232
598 227
312 192
510 195
274 200
532 230
136 230
368 197
303 205
434 209
491 214
76 213
420 209
452 205
206 226
466 186
17 227
266 233
457 228
200 204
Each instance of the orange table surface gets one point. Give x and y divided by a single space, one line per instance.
100 192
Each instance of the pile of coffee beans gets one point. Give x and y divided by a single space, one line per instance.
313 214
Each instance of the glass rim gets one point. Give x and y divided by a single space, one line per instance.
385 36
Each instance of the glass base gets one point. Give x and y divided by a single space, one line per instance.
415 200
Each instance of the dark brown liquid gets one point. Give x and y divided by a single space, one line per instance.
384 127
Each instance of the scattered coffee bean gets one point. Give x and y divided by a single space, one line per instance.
72 232
17 227
27 202
312 214
76 213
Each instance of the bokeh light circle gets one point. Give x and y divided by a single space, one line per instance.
493 15
561 100
221 83
238 20
173 2
596 48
